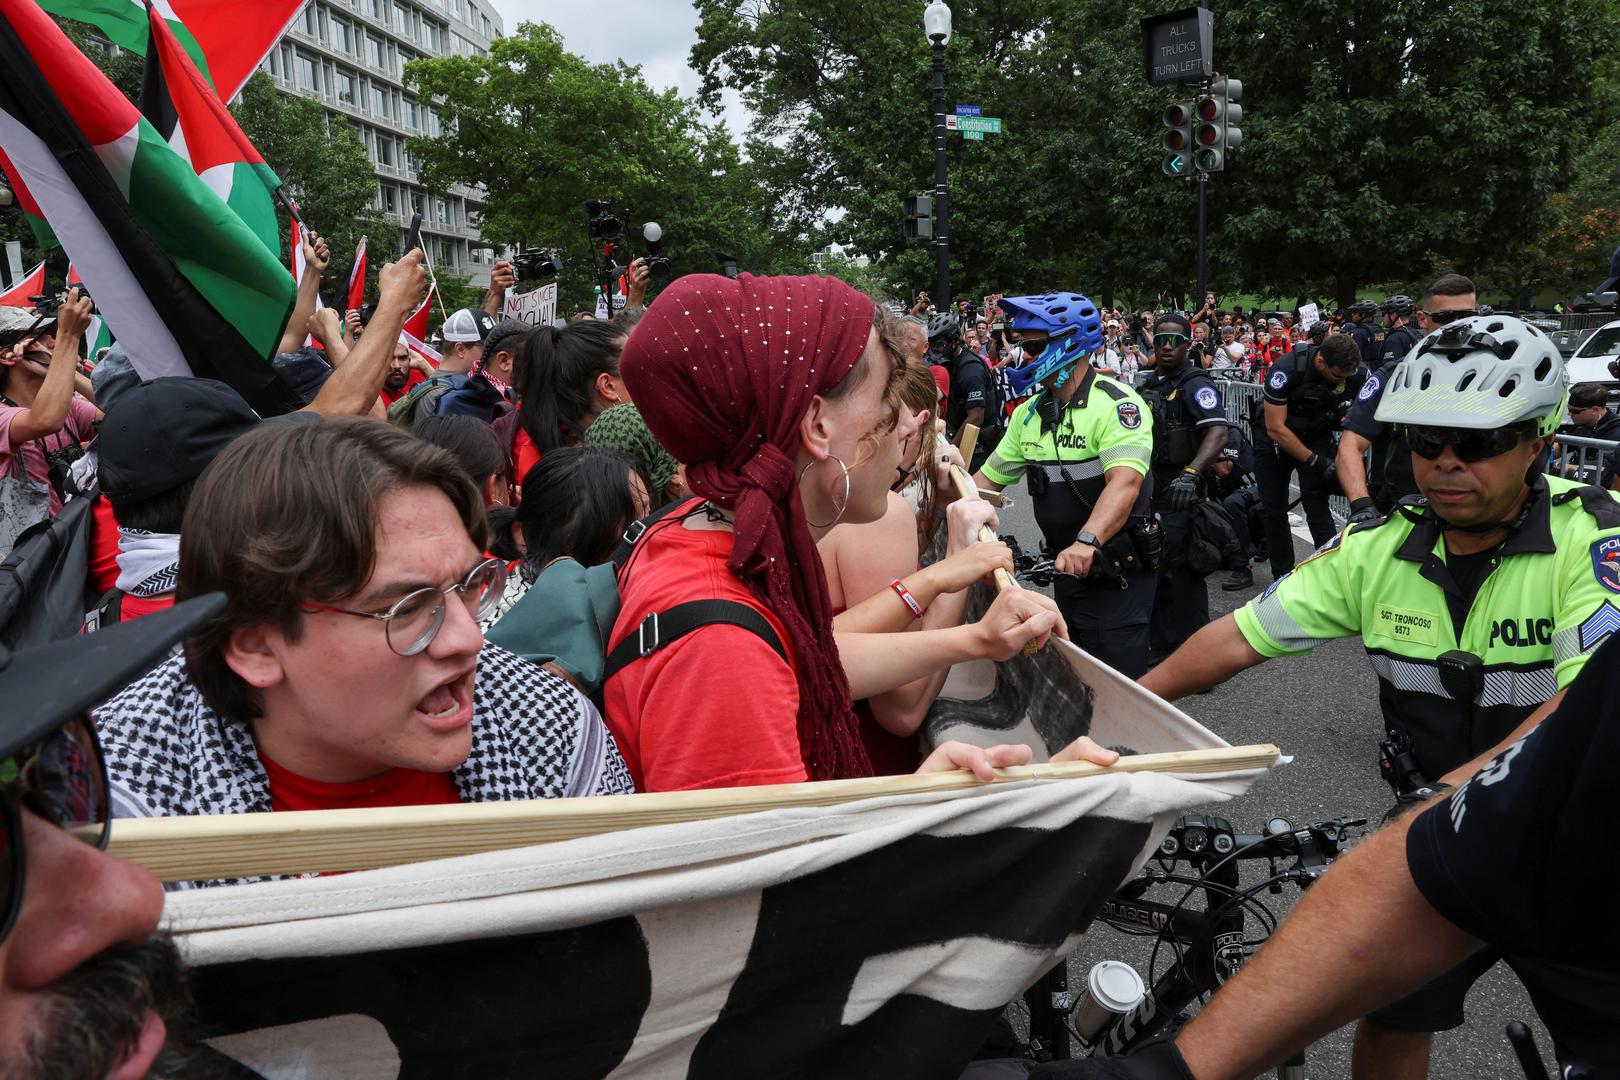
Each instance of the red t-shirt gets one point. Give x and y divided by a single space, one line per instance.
396 787
525 456
718 707
391 396
101 573
134 607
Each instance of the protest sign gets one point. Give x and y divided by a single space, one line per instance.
538 307
1309 316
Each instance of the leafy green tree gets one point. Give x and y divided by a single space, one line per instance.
543 131
1381 136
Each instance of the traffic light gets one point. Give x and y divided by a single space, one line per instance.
1217 133
918 221
1177 140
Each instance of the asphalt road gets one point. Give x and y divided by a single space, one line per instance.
1323 710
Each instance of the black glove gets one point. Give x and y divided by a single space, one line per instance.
1182 492
1328 469
1156 1060
1363 509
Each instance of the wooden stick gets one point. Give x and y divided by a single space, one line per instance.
967 441
317 841
966 489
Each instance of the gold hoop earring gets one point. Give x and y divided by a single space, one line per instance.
845 506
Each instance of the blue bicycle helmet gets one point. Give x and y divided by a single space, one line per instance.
1073 328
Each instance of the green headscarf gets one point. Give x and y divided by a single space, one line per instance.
621 428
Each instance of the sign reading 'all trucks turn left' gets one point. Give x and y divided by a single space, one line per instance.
1179 46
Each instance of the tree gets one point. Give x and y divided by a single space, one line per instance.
1380 135
324 165
543 131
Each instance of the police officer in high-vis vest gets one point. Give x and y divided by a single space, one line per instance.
1189 432
1477 601
1084 440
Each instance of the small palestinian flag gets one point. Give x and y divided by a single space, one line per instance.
30 284
354 297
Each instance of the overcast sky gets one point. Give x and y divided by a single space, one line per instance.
657 34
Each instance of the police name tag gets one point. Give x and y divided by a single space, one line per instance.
1405 625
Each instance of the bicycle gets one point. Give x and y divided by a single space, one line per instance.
1209 942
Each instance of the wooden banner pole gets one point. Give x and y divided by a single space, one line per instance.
319 841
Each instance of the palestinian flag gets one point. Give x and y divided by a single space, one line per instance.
416 323
43 235
190 117
98 335
30 284
421 348
184 284
354 297
295 249
226 39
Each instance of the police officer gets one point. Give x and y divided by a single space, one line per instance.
1363 332
1085 442
1477 601
1189 430
1450 297
1306 396
1229 480
972 391
1590 418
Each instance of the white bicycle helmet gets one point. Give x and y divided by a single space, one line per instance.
1482 372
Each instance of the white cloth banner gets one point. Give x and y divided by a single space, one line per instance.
877 938
1309 316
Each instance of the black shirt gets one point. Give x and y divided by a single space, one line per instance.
1524 857
1316 406
970 389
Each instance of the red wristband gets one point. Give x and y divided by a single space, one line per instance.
906 598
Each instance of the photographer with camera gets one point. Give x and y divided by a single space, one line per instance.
43 423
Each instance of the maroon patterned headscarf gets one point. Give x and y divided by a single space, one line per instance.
723 371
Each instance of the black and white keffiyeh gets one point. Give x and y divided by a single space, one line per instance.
148 562
534 737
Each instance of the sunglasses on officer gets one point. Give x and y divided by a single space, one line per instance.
1169 340
1033 347
62 779
1469 444
1443 318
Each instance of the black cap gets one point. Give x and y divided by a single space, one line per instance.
47 686
163 433
1587 394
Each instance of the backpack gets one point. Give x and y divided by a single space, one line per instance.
1212 539
402 413
573 620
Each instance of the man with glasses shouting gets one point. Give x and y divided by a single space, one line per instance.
347 668
1478 601
1450 298
86 990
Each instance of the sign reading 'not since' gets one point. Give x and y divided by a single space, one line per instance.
1179 46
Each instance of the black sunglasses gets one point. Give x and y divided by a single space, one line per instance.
1442 318
63 779
1033 348
1469 444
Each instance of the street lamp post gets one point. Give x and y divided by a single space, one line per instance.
937 25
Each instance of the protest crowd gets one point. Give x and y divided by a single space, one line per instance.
729 536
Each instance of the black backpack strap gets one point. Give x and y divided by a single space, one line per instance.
660 628
636 529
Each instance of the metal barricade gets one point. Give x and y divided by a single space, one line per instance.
1582 459
1243 400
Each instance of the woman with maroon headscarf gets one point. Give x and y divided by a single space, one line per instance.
777 396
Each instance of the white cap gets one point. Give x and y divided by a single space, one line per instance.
467 325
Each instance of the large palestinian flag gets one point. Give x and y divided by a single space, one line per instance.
226 39
189 115
29 285
184 284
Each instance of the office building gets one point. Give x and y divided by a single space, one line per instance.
350 55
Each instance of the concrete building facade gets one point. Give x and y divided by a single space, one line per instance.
350 55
